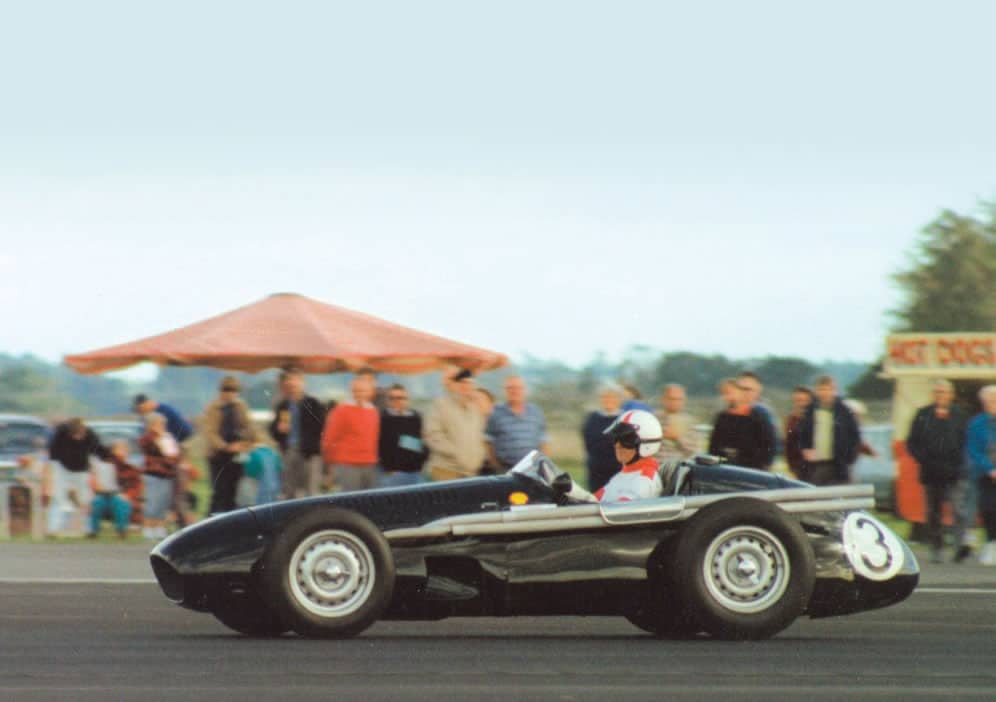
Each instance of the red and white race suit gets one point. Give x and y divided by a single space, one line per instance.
636 481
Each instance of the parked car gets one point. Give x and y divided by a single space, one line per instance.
21 436
730 552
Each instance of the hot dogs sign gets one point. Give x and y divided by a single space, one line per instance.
953 354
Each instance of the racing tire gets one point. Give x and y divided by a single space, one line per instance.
249 616
656 612
743 569
329 574
661 623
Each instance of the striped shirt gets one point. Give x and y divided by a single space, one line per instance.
514 435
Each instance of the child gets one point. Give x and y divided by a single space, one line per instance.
162 454
263 464
109 480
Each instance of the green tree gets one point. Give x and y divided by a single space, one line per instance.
785 372
699 374
949 284
24 388
870 386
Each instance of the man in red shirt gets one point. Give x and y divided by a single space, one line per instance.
349 440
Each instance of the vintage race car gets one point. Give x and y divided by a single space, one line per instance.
727 552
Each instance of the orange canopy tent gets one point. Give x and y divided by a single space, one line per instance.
292 330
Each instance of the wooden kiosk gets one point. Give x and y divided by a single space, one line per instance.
915 361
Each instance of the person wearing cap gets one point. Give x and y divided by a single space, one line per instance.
229 432
454 429
176 425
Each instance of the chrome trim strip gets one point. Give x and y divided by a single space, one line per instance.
663 509
790 494
829 505
530 527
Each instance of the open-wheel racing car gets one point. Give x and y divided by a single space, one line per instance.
727 552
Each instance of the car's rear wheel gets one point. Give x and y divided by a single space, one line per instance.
661 622
329 574
656 611
743 569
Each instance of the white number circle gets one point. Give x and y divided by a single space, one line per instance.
873 550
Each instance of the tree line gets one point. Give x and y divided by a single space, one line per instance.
946 285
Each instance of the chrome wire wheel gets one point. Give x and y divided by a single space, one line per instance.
746 569
331 573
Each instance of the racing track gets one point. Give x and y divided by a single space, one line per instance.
95 642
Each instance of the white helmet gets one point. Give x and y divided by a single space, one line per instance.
637 429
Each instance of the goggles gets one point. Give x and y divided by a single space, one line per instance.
625 435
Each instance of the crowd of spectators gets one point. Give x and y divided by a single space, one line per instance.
957 458
375 439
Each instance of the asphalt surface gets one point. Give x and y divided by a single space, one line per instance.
78 623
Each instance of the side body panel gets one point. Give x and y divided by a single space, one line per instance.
603 571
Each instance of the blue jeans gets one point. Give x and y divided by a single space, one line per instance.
269 486
111 505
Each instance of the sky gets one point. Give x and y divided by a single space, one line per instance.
552 178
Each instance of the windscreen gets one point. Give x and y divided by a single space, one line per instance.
537 467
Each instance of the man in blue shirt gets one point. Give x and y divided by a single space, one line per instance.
980 452
515 427
175 423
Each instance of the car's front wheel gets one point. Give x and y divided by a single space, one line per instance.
248 615
329 574
743 569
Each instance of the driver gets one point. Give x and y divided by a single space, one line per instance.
636 438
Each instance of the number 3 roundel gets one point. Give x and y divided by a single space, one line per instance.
873 550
